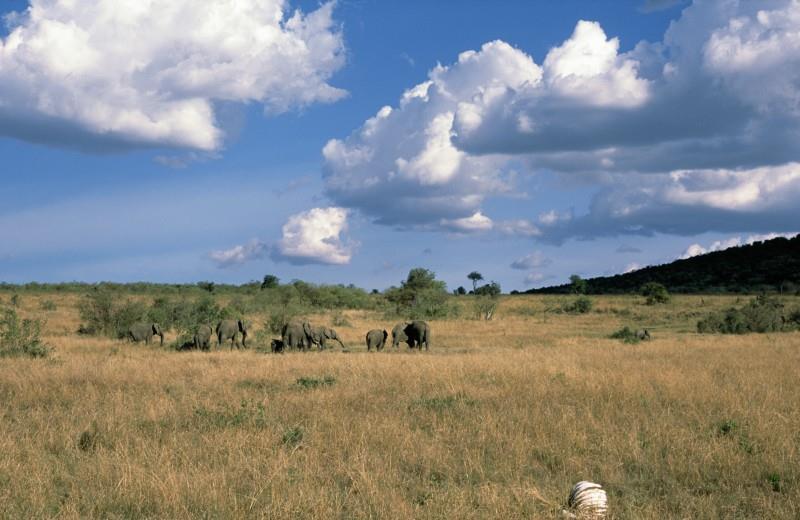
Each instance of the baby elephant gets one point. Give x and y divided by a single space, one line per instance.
276 345
642 335
376 338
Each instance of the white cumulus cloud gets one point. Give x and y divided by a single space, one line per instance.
473 224
240 254
104 73
720 245
315 237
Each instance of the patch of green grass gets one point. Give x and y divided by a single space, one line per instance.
247 414
442 403
293 436
313 382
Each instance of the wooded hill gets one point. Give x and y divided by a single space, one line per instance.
772 265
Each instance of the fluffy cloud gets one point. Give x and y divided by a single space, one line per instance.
402 168
240 254
690 202
699 132
315 237
532 261
82 74
719 245
473 224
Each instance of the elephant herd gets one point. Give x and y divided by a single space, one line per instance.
226 330
301 335
296 335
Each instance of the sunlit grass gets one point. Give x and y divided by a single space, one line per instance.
495 416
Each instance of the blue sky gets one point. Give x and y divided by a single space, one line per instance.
589 137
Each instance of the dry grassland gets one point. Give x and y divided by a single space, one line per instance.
498 420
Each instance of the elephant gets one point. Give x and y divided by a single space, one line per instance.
229 329
414 334
202 337
642 334
321 335
276 345
399 334
144 332
297 335
376 338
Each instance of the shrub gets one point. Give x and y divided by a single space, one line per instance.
16 301
48 305
581 305
485 307
626 334
655 293
21 337
101 315
490 289
762 314
421 296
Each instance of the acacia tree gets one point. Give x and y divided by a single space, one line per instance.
476 277
420 295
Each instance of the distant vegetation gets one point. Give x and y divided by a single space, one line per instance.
762 314
772 266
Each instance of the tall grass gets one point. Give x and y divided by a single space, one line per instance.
498 420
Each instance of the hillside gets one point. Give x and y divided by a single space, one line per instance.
772 265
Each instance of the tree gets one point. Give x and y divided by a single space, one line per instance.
460 291
476 277
578 284
490 289
420 295
270 281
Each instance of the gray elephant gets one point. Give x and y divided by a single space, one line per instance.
297 335
202 337
144 332
321 335
642 335
399 334
376 338
415 333
229 330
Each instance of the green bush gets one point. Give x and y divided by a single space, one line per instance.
102 315
16 301
762 314
485 307
581 305
421 296
21 337
47 305
654 293
626 334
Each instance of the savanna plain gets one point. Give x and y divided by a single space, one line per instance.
498 420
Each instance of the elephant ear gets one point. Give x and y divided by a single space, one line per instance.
385 335
307 329
242 326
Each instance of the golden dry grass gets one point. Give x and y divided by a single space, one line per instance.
498 420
